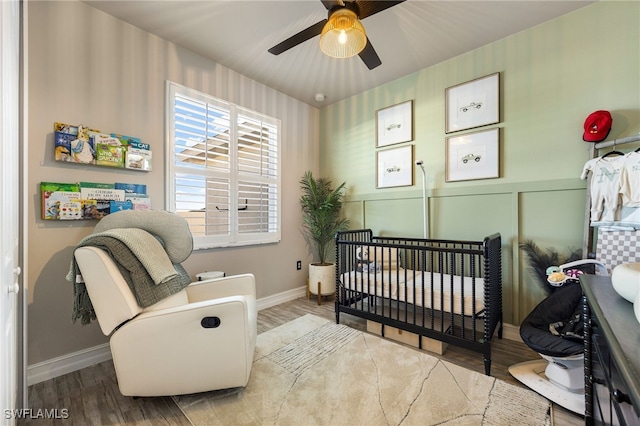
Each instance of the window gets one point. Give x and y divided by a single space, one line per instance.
223 169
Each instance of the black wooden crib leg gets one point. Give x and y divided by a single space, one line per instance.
487 366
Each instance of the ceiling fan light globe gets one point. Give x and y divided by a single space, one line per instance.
343 35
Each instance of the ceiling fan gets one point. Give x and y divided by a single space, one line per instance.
341 34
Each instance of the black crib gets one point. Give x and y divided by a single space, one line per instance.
446 290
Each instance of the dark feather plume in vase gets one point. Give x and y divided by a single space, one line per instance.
541 259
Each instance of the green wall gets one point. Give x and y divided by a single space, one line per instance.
551 77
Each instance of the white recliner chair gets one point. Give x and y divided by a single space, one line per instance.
198 339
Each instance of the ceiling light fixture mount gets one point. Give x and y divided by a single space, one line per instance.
343 36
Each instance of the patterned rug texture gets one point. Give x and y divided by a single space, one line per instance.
312 371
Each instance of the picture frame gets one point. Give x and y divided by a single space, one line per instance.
394 167
473 104
394 124
473 155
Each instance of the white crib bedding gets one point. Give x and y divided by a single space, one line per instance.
399 284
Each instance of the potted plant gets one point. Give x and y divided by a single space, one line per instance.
321 220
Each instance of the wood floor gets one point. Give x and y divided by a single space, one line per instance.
91 397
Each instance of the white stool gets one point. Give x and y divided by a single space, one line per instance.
209 275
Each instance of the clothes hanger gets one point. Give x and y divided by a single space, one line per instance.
614 152
610 153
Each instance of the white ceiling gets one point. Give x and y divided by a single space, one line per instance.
408 37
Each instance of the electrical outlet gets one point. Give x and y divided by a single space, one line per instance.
299 265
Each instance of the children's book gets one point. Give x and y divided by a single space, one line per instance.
139 145
97 185
52 194
102 194
131 188
69 148
139 202
103 138
70 210
90 210
73 144
102 208
116 206
65 128
138 159
63 146
127 140
110 155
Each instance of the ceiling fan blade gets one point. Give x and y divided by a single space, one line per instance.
298 38
371 7
330 3
369 56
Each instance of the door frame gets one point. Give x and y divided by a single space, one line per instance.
13 159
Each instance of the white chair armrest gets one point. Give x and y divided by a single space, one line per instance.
234 285
223 303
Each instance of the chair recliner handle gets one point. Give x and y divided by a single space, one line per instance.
210 322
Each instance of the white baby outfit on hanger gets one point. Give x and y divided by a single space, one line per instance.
605 186
630 180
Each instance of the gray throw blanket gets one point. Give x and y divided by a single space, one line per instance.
150 281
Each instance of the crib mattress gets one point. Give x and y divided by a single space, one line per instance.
431 290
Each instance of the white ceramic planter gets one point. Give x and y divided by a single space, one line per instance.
323 274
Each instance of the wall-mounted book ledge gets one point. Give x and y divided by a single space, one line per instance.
90 200
81 145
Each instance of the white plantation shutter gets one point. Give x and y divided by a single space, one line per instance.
223 171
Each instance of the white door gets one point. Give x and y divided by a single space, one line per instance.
10 205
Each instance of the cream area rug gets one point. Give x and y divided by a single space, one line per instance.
312 371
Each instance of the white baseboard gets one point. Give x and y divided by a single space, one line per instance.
65 364
285 296
69 363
